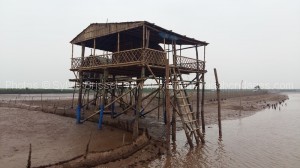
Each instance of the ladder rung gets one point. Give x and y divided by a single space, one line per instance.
184 97
190 121
188 113
182 105
187 82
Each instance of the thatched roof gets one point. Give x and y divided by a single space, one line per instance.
131 33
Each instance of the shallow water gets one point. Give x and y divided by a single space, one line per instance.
270 138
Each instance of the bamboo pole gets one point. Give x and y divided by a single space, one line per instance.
202 97
102 104
94 47
79 103
118 47
158 102
73 95
219 103
167 105
72 56
139 105
112 98
143 37
174 110
198 87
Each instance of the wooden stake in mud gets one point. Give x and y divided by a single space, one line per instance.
219 103
29 158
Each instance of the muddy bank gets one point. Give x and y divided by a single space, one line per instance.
231 108
53 138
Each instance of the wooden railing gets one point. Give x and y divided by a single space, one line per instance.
140 55
148 56
189 63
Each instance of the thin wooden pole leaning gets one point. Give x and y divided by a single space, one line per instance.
219 103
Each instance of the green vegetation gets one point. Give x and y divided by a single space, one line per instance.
33 91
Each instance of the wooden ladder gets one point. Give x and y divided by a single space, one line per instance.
187 116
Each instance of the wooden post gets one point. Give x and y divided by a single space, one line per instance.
112 98
241 98
198 87
139 104
143 36
130 95
167 105
202 97
88 98
164 101
174 52
72 56
79 103
147 37
73 95
174 101
94 47
118 47
219 103
102 101
180 55
158 102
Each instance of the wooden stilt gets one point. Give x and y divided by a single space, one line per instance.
174 101
158 101
198 87
94 53
168 125
139 104
88 98
73 96
202 97
130 95
103 95
79 103
113 89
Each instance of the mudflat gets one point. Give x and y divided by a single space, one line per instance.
53 138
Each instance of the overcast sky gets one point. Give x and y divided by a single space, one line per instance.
257 41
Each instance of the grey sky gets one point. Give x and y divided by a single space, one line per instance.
257 41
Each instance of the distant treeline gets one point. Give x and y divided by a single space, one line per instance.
34 91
